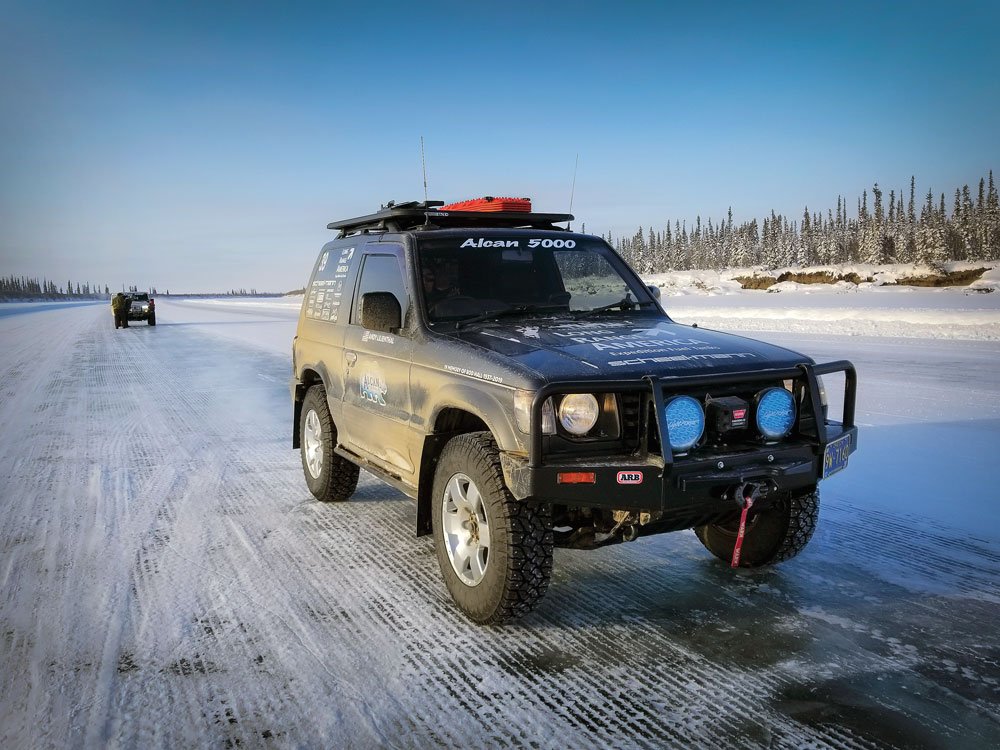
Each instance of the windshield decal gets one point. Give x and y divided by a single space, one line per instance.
480 242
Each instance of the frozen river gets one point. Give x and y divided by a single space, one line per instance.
166 579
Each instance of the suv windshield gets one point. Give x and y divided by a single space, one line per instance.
478 276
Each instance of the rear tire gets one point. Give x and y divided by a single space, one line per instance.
331 478
495 552
773 535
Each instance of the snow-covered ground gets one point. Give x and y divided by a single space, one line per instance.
167 580
715 300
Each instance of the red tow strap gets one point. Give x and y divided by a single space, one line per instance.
748 503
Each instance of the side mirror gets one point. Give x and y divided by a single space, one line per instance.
380 311
654 290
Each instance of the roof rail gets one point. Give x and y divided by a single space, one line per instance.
400 217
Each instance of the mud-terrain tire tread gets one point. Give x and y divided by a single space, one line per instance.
802 520
527 528
787 529
339 477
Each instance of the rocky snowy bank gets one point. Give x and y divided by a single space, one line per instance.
879 304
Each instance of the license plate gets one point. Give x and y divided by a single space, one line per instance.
835 455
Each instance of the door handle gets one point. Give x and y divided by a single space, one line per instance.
351 358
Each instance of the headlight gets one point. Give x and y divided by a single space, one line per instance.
775 413
522 413
685 423
578 413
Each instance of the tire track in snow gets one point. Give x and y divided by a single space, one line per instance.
194 411
905 548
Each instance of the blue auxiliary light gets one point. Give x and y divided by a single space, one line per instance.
685 423
775 413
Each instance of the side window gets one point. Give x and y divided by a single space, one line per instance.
380 273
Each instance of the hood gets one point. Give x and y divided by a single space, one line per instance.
622 346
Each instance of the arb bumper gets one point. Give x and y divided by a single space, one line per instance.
657 481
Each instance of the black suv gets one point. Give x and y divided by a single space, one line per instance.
522 384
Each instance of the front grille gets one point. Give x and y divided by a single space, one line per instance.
631 410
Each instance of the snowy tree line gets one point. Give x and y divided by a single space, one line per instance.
23 286
879 234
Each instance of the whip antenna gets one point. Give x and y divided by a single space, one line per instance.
423 163
572 190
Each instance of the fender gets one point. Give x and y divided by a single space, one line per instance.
494 405
299 384
487 405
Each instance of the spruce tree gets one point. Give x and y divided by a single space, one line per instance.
992 244
930 235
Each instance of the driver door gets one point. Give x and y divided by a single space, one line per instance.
377 406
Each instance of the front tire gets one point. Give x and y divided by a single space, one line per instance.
773 535
331 478
495 552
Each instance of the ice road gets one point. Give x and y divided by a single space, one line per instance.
166 579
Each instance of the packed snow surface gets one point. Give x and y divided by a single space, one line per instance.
167 580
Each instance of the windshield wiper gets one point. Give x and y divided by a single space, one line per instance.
626 303
504 312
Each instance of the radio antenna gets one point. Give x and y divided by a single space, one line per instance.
572 190
423 163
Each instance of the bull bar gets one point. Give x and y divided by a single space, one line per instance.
790 465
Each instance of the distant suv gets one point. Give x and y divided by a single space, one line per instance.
141 307
522 384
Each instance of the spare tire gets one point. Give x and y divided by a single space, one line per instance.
774 534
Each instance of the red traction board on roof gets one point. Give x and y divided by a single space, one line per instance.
489 203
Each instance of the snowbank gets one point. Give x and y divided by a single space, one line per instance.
869 308
868 277
289 302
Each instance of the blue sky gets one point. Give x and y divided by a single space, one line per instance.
203 146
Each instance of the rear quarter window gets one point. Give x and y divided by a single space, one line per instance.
326 292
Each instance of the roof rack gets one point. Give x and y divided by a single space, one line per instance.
422 215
